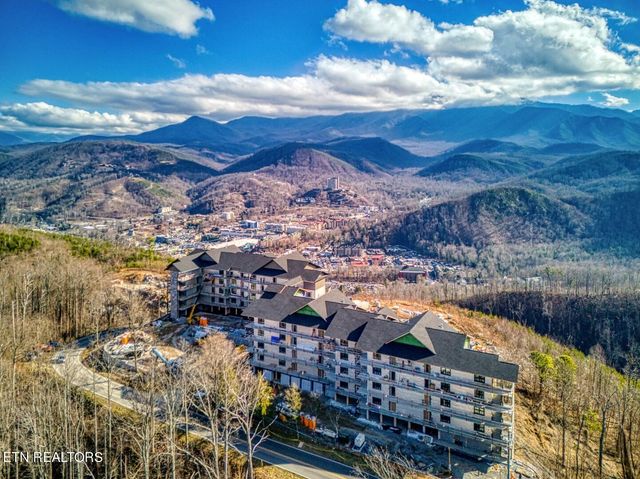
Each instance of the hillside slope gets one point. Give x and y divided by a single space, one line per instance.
491 217
94 178
461 167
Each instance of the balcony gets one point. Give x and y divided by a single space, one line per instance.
438 425
415 371
283 369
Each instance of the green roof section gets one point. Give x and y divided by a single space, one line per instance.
308 310
410 340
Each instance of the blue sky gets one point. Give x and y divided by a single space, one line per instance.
120 66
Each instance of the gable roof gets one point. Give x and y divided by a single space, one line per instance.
286 307
439 344
292 266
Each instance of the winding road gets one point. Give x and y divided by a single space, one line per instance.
298 461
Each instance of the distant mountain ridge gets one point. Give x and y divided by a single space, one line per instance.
528 124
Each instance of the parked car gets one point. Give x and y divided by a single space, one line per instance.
58 358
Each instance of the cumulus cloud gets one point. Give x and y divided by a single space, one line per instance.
546 49
41 116
178 62
331 85
614 101
372 21
175 17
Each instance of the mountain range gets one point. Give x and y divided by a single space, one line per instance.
501 174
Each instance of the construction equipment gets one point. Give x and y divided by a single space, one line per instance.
190 318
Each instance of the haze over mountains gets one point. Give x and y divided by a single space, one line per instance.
502 175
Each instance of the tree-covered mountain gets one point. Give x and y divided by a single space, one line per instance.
604 171
466 167
505 215
112 178
368 155
10 139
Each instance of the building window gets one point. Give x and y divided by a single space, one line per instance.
392 406
377 356
344 342
445 371
445 419
479 379
282 350
294 353
427 368
261 357
282 362
426 399
260 345
320 373
282 337
282 325
376 371
478 427
344 357
426 415
294 341
446 387
376 401
344 384
478 394
445 402
294 328
260 332
376 386
392 375
344 370
320 333
478 410
392 391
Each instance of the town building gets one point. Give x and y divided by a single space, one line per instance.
419 375
412 274
225 280
346 250
333 184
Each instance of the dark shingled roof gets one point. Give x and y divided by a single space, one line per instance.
293 266
444 346
285 306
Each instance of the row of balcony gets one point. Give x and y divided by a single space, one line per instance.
454 396
497 439
419 371
330 348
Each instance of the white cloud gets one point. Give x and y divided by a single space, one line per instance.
614 101
175 17
178 62
41 116
331 85
545 50
202 50
372 21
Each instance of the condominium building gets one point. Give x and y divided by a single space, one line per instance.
419 375
225 280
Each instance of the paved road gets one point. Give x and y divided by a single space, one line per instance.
284 456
